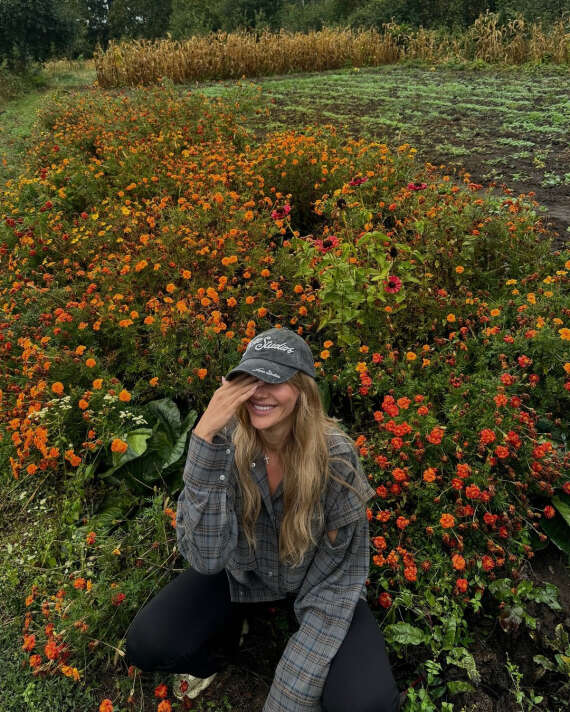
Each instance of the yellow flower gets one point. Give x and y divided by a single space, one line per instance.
495 312
460 269
510 281
564 334
450 318
531 298
411 356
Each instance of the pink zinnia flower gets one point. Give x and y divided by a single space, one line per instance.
280 213
392 285
326 244
358 181
417 186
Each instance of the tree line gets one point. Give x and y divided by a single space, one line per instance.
35 30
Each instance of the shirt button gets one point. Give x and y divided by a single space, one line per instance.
222 477
228 451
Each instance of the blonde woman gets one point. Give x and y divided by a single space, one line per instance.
273 509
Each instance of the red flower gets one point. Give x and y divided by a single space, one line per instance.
385 600
326 244
280 213
117 599
417 186
461 585
549 512
392 285
358 180
161 691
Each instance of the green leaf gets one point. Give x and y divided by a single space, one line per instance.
558 532
450 626
461 657
404 634
137 440
166 412
544 662
562 504
456 687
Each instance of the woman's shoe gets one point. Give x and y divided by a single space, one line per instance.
190 686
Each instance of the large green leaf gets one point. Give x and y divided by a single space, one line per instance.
166 412
558 532
562 504
405 634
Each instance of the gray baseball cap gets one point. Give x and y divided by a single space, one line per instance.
274 356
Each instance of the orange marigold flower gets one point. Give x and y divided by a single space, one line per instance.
125 396
90 363
329 343
436 436
410 573
460 269
249 299
487 563
35 660
97 384
202 373
106 706
402 523
461 585
29 642
57 388
450 318
411 356
90 538
31 469
83 404
486 436
429 474
325 353
458 562
119 445
447 521
161 691
153 381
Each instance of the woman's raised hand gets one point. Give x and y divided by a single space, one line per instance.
224 403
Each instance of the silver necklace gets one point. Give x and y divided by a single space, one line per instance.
266 458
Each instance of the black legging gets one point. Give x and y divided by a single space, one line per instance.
192 627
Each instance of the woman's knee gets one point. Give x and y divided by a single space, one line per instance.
373 701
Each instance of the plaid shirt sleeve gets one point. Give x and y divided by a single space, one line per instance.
324 607
206 522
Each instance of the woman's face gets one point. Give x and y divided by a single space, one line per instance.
272 405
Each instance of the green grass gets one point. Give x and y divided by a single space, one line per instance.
17 115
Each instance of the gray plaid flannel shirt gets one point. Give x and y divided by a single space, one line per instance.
327 584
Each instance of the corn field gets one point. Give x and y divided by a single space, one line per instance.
238 54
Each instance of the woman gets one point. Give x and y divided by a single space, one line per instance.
273 509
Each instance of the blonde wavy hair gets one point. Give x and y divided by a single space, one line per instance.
306 466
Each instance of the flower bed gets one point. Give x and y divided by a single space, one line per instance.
150 237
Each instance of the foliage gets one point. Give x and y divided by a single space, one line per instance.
31 30
150 237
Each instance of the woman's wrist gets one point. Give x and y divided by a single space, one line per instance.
204 434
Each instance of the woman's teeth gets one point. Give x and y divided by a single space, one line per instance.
262 408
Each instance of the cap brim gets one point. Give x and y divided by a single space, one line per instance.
267 371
